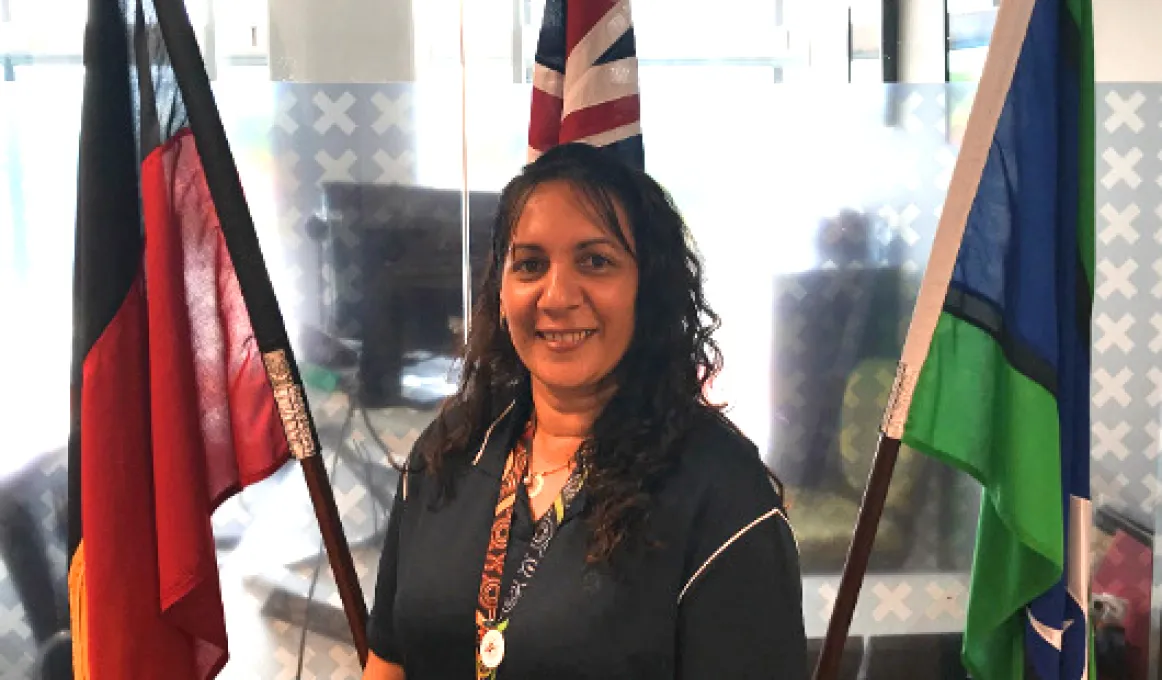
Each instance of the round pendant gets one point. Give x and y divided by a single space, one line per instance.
538 483
492 649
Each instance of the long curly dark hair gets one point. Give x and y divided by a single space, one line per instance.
662 378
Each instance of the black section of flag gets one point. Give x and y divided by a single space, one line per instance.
979 312
108 241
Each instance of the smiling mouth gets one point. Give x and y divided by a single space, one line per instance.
565 340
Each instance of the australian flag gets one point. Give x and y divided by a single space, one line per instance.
585 82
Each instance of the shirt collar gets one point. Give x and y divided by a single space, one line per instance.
499 439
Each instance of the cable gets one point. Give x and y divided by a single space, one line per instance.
374 434
307 613
365 459
367 462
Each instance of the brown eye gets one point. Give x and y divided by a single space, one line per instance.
527 266
596 262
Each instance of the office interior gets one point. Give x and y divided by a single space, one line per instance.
809 144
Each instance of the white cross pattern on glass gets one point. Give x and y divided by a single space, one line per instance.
282 117
1156 343
350 502
1156 291
335 404
902 221
345 280
791 387
290 232
336 169
1122 168
392 112
288 181
1120 223
892 601
1102 487
397 170
1112 387
334 112
1125 111
1116 278
289 661
12 621
1155 488
828 593
1109 440
790 330
1155 376
346 663
912 104
1114 333
946 601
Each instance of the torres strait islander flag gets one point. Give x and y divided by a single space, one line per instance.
184 389
994 376
585 82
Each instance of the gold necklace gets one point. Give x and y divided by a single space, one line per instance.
535 481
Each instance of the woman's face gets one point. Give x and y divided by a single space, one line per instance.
567 291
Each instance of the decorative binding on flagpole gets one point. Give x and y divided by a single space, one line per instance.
292 407
900 397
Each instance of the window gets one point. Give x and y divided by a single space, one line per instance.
970 26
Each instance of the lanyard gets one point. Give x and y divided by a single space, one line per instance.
492 612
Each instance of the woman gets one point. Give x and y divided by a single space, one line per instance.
578 509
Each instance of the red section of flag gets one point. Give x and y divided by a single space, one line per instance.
178 414
127 638
545 121
583 16
601 118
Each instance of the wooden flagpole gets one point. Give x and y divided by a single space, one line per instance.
242 242
858 554
1004 50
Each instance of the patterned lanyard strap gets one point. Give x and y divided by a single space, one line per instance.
490 626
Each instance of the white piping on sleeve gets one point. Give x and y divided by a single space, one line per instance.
773 512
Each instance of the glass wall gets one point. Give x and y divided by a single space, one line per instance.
372 150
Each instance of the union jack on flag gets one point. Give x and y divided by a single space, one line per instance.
585 82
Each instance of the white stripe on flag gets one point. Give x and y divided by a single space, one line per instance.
600 38
548 81
1004 50
601 84
615 135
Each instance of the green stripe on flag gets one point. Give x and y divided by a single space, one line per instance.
973 410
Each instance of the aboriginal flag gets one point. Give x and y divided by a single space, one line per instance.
184 389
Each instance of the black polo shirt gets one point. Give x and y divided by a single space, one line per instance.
719 596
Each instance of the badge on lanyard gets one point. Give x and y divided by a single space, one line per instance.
492 648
